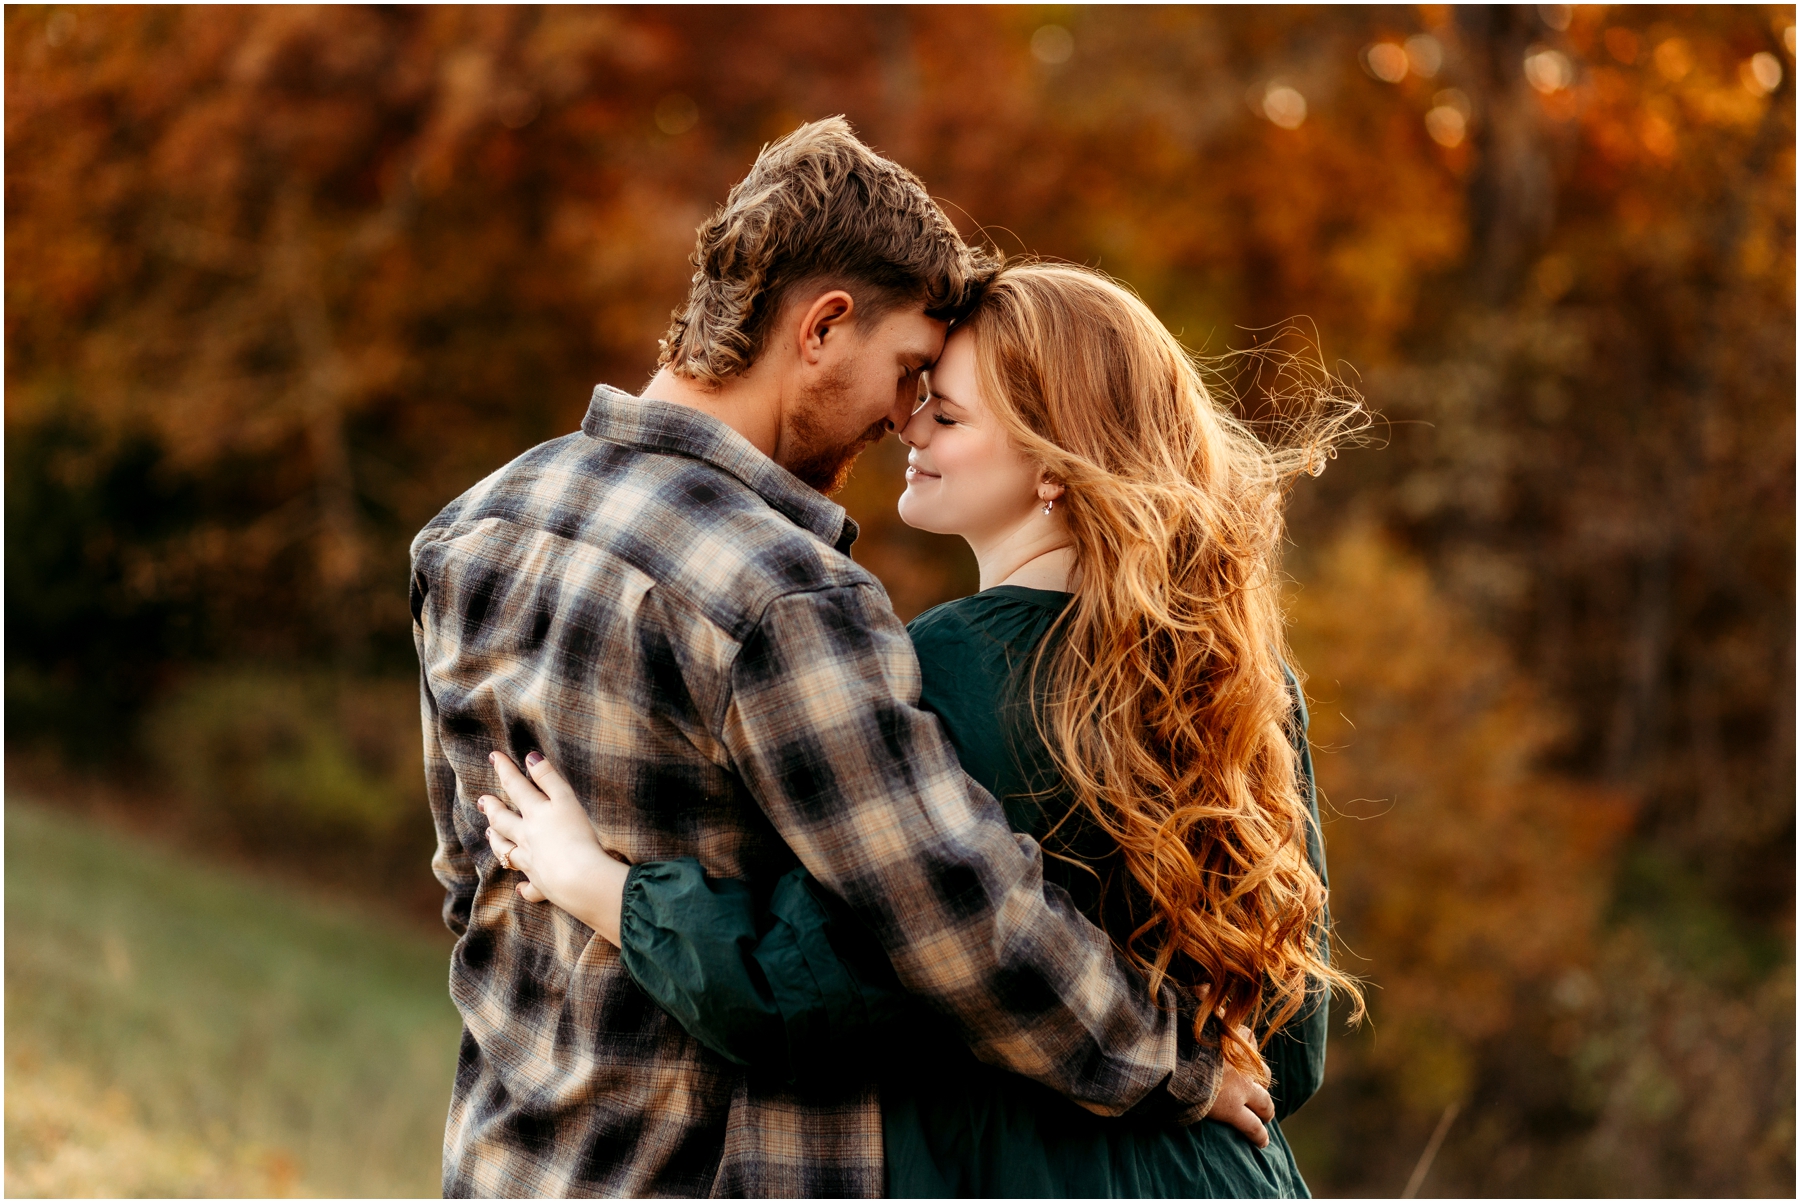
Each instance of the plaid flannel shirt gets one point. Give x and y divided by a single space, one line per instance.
673 619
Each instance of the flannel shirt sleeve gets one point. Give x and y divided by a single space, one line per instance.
823 725
451 863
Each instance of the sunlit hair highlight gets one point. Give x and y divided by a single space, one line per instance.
1164 701
818 208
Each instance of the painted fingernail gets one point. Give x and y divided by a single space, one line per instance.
493 757
533 759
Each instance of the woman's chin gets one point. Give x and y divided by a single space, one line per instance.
917 514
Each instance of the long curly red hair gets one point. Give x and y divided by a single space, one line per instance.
1164 701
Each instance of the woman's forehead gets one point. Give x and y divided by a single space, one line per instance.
954 370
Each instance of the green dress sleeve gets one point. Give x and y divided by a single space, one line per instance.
1296 1054
784 986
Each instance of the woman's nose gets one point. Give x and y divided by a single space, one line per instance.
917 431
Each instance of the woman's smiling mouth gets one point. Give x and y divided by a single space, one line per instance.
914 472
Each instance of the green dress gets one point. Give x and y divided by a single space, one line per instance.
787 982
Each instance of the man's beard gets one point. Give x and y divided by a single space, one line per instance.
816 452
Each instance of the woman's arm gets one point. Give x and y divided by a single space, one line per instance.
784 984
1296 1054
795 986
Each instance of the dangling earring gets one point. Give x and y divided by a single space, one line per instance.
1048 504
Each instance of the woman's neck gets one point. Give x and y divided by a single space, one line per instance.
1046 568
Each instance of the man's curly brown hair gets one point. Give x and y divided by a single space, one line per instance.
818 207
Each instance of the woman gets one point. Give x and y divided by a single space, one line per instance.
1119 684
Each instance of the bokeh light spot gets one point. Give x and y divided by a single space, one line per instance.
1455 98
62 26
1658 136
1673 59
1556 16
1424 54
1760 73
1386 62
1284 106
1052 44
1446 126
1548 70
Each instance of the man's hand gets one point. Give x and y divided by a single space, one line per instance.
545 834
1244 1104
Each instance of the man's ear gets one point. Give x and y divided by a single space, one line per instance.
822 320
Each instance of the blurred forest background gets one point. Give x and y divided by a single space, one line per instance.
281 282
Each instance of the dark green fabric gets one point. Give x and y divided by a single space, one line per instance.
994 1135
791 986
1296 1054
690 942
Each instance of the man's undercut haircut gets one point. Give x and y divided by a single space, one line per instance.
818 207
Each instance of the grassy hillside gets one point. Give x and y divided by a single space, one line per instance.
173 1028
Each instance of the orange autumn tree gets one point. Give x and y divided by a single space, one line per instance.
1467 883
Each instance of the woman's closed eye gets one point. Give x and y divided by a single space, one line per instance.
941 420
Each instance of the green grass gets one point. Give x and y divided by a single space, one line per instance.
173 1027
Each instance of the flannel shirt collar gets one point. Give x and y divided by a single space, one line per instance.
615 416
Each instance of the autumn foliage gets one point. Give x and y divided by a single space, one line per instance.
282 281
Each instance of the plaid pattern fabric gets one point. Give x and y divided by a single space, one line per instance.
674 620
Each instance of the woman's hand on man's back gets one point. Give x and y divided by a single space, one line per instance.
1244 1103
546 835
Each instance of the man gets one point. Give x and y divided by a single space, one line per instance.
663 603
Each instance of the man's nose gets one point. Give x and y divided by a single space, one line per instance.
910 431
901 414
